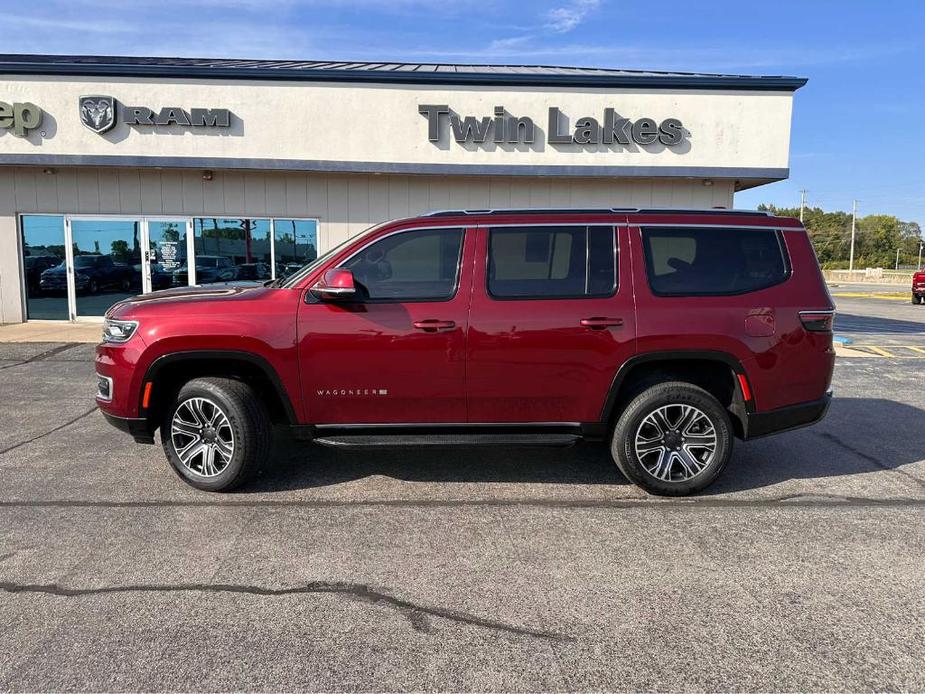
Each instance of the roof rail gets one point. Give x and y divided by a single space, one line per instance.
597 210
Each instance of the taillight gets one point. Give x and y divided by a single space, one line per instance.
818 321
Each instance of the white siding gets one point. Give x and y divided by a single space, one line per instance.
345 204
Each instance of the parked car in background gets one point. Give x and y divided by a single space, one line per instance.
667 334
253 271
209 269
289 269
35 266
92 273
161 278
918 287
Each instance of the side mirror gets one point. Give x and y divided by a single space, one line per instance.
335 285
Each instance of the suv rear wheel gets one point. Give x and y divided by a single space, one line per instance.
673 439
215 433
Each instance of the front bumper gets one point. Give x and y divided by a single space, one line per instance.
804 414
139 429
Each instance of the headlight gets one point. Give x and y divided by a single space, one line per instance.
118 330
82 276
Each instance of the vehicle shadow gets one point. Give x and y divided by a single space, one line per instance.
838 446
849 323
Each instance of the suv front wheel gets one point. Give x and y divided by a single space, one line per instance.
215 433
673 439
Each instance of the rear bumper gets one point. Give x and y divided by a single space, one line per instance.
139 429
786 418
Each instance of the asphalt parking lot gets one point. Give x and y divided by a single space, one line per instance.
803 568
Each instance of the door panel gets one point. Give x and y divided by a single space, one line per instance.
546 359
390 361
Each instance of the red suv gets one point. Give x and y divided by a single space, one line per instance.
666 333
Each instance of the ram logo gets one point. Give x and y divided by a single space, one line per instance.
98 112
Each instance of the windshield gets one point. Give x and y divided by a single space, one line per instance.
295 278
85 261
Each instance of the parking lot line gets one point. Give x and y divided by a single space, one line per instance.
894 351
879 350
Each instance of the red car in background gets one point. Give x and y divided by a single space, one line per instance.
918 288
664 333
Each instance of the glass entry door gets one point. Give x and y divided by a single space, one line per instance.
167 264
106 259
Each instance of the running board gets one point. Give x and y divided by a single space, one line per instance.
397 440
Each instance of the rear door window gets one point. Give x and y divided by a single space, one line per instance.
551 262
713 261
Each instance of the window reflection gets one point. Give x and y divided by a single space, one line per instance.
43 263
231 249
296 244
107 263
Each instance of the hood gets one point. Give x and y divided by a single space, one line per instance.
56 270
213 294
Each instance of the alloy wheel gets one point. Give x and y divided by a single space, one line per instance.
202 437
675 443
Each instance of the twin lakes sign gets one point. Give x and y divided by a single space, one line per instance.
101 113
505 128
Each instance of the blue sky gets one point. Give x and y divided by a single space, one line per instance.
857 124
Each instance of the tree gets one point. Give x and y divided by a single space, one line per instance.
877 237
120 251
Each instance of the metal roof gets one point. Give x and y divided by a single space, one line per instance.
433 73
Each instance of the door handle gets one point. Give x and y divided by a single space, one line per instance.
598 323
432 325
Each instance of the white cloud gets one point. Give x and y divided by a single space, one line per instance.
565 18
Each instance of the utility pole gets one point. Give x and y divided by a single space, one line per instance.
854 219
802 203
897 260
919 264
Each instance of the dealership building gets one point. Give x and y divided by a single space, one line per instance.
126 175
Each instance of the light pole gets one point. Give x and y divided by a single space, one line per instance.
919 264
854 219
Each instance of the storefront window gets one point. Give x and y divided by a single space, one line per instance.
231 249
296 244
44 267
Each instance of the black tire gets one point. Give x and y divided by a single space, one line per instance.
916 299
671 395
92 287
248 423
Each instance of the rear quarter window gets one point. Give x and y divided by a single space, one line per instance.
705 261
